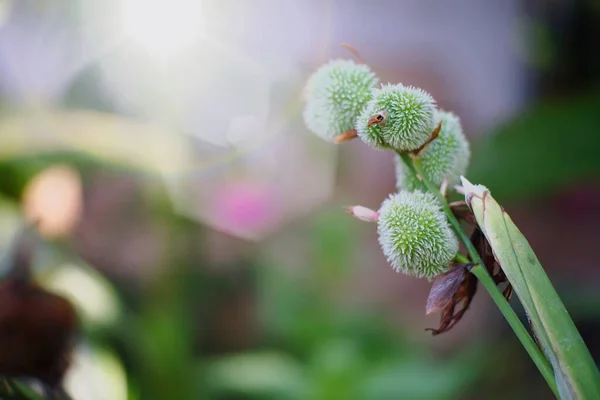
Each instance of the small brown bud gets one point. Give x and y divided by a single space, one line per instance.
346 136
377 119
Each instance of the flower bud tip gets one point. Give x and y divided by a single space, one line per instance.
363 213
470 189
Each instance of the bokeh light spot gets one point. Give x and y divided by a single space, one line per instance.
161 28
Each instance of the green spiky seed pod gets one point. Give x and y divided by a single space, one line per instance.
398 117
446 157
414 234
335 95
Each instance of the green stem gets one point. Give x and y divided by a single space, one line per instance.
461 258
515 323
484 277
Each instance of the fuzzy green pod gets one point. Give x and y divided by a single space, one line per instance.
398 117
414 234
335 95
447 156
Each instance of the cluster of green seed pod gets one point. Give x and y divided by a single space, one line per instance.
414 233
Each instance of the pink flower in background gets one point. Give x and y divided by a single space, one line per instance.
247 208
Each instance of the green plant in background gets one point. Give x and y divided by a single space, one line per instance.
309 348
413 226
315 349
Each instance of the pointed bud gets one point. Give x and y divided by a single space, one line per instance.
471 190
363 213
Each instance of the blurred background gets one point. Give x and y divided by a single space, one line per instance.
198 227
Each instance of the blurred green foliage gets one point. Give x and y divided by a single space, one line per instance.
551 146
307 346
304 344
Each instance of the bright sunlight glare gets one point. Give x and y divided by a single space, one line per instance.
161 28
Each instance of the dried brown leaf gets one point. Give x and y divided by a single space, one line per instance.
453 289
444 288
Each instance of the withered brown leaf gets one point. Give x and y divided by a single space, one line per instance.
489 260
462 212
449 290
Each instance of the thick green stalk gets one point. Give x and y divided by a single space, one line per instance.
513 320
575 371
484 277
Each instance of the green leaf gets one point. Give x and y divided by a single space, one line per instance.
547 147
257 374
575 371
416 379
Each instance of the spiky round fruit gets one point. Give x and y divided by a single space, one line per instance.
398 117
414 234
446 157
335 95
